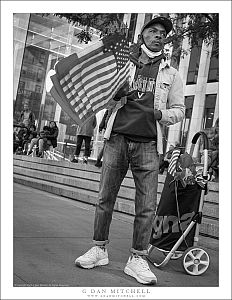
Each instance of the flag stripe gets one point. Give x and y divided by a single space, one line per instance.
72 92
96 65
101 67
76 69
173 162
109 91
102 99
56 93
85 94
63 68
95 79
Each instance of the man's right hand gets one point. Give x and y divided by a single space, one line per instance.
122 92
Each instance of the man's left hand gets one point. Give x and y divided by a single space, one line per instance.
157 114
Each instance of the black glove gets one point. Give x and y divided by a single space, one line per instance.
157 114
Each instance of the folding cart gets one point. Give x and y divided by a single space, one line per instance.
179 214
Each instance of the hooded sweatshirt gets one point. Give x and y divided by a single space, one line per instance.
135 120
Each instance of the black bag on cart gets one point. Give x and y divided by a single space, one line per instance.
172 217
178 205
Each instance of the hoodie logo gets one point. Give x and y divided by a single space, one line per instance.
143 84
140 94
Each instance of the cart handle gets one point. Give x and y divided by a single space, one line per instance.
205 139
205 149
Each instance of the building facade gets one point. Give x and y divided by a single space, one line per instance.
40 40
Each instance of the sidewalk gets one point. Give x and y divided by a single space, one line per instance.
51 231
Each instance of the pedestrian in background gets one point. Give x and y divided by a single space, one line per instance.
134 137
84 133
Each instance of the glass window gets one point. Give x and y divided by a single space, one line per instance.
49 108
32 77
194 64
37 88
42 58
21 87
213 75
186 122
39 74
210 102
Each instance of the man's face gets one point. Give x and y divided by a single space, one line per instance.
154 37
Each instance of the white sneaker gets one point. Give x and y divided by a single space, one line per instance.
138 268
96 256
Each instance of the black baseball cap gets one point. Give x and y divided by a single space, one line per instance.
167 23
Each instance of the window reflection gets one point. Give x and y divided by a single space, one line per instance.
132 26
210 102
213 75
194 64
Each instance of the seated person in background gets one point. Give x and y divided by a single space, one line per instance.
31 134
15 142
47 137
50 138
18 138
35 141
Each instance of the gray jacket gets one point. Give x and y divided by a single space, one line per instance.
168 98
88 128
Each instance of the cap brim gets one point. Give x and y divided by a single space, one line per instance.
159 20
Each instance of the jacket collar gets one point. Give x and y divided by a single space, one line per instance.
164 64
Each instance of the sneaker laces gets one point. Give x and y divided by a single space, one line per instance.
93 251
142 263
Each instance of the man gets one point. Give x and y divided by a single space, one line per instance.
134 136
27 117
85 132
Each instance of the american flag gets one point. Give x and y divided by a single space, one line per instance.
173 162
84 83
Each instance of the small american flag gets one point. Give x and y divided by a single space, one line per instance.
173 162
84 83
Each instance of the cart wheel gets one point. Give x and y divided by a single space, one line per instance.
195 261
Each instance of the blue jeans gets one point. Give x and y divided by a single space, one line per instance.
144 162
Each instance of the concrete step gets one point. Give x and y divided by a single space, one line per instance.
209 227
81 182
